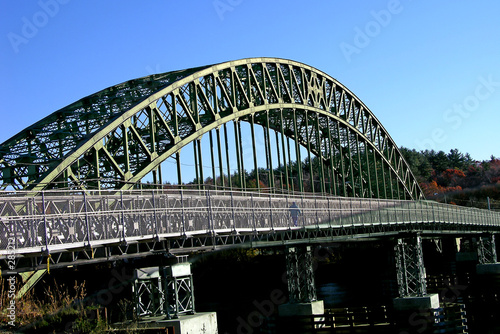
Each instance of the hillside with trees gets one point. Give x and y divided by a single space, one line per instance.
453 177
456 178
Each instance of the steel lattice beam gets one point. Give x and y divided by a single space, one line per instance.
486 249
410 267
300 275
165 291
114 138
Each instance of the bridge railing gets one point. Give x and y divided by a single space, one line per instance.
60 220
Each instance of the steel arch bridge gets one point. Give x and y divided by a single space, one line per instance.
115 138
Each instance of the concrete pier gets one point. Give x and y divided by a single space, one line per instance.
416 303
299 309
488 269
416 314
186 324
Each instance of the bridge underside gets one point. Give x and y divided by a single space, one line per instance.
264 122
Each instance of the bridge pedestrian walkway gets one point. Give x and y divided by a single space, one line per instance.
57 222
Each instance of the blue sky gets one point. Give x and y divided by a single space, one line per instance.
430 72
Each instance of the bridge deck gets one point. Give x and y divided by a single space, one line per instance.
63 222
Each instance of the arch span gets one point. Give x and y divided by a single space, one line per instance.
114 138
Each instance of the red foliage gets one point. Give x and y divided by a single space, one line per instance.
492 173
451 177
432 189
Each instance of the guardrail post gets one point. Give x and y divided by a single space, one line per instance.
361 213
341 214
316 211
154 215
253 214
123 216
209 211
409 212
303 209
379 211
86 218
388 213
45 223
483 222
433 213
232 208
271 212
448 212
406 212
329 212
288 206
32 222
352 215
166 213
183 219
416 214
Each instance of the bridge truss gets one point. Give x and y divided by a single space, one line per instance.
276 110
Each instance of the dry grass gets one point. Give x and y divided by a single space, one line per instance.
59 306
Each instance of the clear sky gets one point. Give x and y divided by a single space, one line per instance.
430 71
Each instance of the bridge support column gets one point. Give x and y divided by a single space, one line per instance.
487 284
486 249
488 267
413 302
301 288
165 296
410 267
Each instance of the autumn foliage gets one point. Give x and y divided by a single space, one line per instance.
455 177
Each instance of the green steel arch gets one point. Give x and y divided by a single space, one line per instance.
115 137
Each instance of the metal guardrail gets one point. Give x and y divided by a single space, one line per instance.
64 220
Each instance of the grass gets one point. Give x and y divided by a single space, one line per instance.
60 310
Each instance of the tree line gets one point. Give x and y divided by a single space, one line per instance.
455 177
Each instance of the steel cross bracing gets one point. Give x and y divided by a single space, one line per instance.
300 275
410 268
486 249
149 292
104 226
115 138
165 291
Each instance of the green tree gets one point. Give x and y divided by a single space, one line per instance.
419 164
438 160
458 160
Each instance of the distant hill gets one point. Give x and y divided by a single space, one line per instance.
456 178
